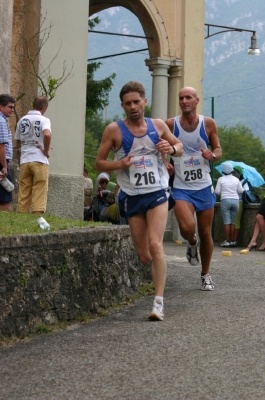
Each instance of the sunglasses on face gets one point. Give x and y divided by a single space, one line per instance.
101 182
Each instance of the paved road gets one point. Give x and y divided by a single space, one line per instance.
211 345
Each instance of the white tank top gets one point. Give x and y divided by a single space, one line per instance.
192 171
148 173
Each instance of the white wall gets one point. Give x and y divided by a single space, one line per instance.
69 19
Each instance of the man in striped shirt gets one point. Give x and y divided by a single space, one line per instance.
7 106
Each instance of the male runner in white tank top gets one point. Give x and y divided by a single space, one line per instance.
139 144
192 187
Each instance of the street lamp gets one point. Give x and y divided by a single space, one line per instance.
252 51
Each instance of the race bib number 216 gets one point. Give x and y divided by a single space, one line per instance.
144 171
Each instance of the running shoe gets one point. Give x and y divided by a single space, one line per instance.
225 244
157 313
207 283
192 253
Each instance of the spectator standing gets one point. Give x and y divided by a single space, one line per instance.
238 173
33 135
7 107
229 188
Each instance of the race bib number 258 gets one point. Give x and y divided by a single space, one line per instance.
192 169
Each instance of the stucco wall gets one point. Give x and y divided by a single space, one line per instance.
6 15
193 43
67 109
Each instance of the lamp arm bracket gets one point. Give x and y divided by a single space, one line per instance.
225 29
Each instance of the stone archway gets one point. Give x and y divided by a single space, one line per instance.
168 27
176 60
150 25
159 49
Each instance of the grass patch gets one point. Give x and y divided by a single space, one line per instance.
12 223
146 289
42 329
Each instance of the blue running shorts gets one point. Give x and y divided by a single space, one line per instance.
132 205
200 199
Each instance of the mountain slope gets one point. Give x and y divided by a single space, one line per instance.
234 79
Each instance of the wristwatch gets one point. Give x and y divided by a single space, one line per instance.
175 150
214 157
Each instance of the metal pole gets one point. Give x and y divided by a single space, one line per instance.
212 164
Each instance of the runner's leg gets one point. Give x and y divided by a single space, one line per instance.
184 213
204 221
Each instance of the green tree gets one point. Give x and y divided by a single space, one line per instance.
91 148
148 111
92 22
95 126
96 101
97 91
239 144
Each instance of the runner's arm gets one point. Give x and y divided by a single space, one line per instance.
110 140
167 140
216 151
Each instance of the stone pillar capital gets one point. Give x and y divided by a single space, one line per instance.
165 63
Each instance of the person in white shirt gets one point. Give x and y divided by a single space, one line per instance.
238 173
33 135
229 188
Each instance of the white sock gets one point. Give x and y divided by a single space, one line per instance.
160 299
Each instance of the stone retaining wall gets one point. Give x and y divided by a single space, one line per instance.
59 276
246 228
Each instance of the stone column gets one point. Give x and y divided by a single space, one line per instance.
174 86
6 19
159 67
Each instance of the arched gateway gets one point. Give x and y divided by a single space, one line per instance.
176 30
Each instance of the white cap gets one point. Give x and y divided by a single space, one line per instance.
227 168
